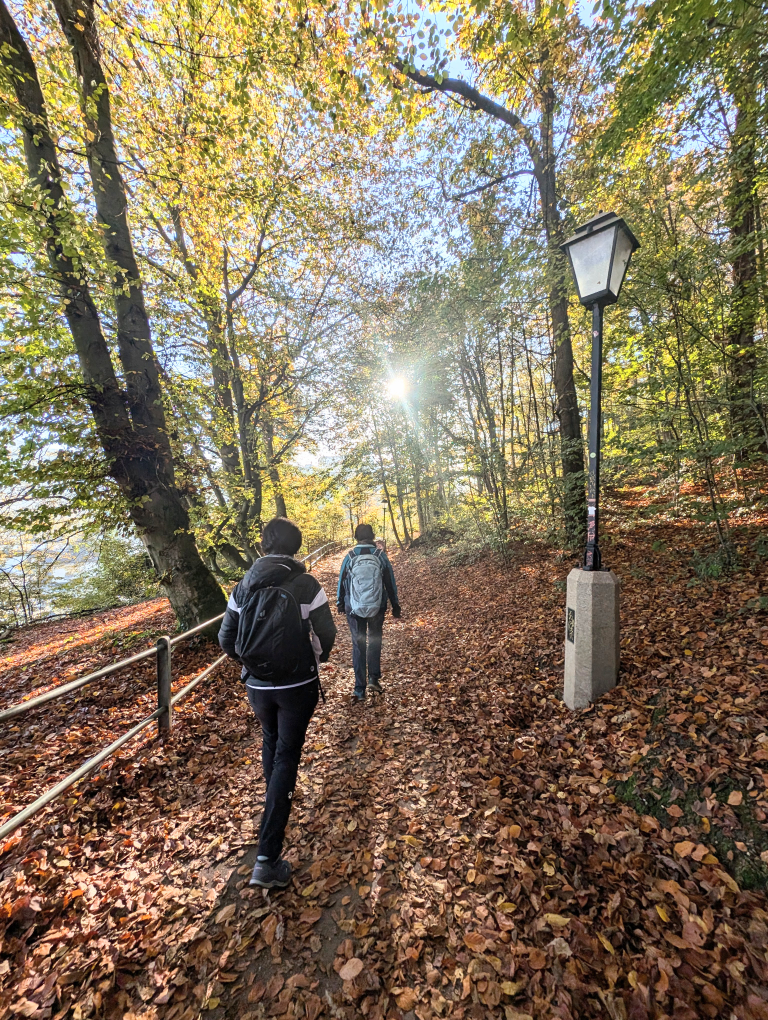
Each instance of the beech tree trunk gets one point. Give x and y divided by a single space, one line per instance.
268 434
740 203
571 445
130 423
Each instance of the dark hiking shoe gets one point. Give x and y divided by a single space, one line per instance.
271 876
358 698
375 685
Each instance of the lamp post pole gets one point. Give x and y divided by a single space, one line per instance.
599 253
592 560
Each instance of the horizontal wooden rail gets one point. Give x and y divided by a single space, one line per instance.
323 550
58 692
56 791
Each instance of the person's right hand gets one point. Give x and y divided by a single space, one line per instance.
340 609
396 611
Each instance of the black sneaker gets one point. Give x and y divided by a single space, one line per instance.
375 685
357 698
271 876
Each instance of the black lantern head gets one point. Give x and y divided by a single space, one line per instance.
599 253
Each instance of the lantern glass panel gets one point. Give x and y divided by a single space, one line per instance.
591 260
624 249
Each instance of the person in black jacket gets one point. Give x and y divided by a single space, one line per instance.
283 711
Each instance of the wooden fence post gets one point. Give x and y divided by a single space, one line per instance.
165 719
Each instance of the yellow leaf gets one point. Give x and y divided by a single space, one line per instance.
726 878
511 987
548 869
412 841
606 943
506 907
514 831
351 826
556 920
662 913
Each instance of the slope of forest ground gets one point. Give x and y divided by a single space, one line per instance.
464 846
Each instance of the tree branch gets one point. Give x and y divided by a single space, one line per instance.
461 88
489 184
156 265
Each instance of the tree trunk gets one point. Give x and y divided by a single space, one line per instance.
135 444
142 377
222 370
268 434
225 411
386 488
571 446
740 203
399 492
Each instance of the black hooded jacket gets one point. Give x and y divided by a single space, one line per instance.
284 572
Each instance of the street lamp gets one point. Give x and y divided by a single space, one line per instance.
599 254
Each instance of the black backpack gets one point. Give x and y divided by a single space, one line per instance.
273 641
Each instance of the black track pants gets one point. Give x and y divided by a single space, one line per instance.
284 716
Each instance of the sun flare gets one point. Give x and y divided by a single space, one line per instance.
397 387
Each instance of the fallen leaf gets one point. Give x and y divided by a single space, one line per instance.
511 988
313 1007
556 920
407 999
475 941
537 958
684 848
607 945
351 969
225 913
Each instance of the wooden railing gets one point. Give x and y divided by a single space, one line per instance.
165 701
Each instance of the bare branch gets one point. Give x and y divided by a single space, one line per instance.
490 184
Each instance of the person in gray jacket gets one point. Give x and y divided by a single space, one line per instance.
282 702
366 584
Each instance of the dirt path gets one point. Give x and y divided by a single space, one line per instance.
463 845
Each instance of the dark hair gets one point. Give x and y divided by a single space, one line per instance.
281 536
363 533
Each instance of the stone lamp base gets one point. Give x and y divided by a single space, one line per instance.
591 636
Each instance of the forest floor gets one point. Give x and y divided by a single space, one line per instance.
464 846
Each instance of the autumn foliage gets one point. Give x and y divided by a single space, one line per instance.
464 846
